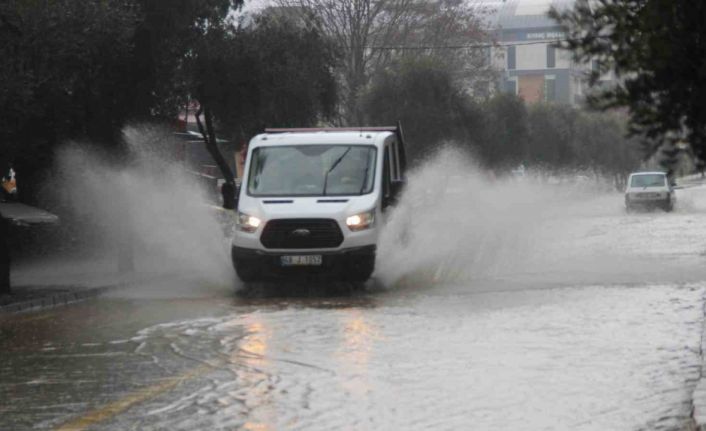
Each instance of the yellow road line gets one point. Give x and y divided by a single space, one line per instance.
115 408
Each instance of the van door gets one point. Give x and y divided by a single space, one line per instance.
392 176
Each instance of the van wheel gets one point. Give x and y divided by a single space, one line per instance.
247 273
246 269
360 269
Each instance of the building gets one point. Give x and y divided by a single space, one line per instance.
530 65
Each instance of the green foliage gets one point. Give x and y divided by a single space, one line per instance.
656 47
599 142
424 96
275 73
65 72
501 132
505 131
75 69
166 35
551 135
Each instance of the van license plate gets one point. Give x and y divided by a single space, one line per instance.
304 260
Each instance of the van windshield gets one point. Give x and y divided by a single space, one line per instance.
648 180
312 170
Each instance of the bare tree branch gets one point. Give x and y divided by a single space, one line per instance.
359 26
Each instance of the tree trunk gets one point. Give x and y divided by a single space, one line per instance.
209 138
228 190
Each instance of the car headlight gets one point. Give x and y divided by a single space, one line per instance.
247 223
361 221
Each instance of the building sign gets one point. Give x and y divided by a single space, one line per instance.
546 35
534 34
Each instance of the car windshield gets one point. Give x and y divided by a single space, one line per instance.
649 180
312 170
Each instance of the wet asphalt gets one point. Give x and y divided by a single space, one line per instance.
557 347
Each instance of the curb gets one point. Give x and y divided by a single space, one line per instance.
57 300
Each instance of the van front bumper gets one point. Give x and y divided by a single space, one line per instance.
356 263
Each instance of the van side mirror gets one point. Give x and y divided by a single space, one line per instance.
229 192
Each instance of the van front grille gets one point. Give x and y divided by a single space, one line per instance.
301 233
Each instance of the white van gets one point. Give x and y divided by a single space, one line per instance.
649 190
311 202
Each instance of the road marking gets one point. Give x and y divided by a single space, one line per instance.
115 408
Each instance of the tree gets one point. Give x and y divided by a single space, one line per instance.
172 34
424 96
505 131
372 34
82 68
65 73
551 135
274 73
657 50
164 40
600 144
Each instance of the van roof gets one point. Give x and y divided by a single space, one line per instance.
321 137
649 173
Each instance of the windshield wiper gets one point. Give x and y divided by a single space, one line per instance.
365 179
333 166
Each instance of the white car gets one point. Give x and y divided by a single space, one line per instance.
312 200
649 190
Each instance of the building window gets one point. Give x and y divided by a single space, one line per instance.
549 89
551 57
595 67
511 58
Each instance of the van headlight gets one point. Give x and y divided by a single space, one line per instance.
361 221
247 223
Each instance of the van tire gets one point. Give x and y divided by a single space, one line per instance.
360 269
247 270
246 273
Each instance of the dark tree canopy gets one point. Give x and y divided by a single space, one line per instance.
501 132
81 69
166 34
505 131
273 73
657 48
65 73
423 95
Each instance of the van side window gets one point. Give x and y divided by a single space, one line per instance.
395 169
398 161
386 173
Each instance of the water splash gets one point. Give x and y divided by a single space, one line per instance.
458 223
150 200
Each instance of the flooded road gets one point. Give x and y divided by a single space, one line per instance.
598 326
561 358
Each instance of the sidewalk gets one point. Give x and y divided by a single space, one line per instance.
48 282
